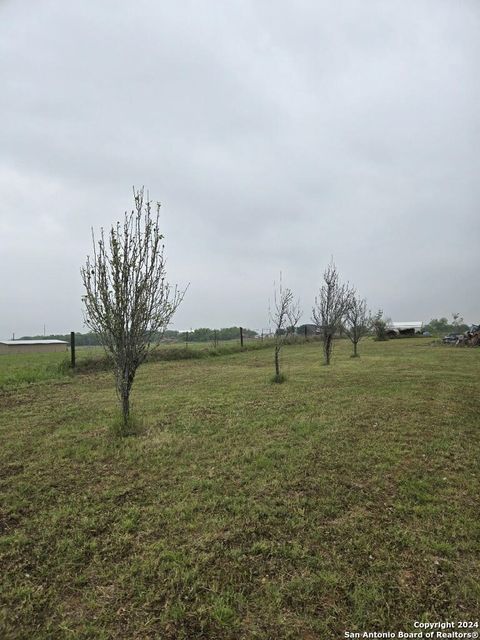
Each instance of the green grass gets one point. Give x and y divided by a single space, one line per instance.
23 369
176 351
345 498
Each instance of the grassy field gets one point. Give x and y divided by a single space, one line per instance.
21 369
344 499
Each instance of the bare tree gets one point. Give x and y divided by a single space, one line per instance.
357 320
284 316
127 301
330 307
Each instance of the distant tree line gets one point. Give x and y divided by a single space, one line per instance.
205 334
197 335
89 339
436 326
442 326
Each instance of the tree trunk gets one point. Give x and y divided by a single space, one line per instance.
125 405
277 361
327 348
355 354
124 386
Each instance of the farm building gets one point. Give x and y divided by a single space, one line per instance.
32 346
404 328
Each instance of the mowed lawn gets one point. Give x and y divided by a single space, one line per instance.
345 499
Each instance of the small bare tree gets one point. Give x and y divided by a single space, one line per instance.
284 316
330 307
127 301
357 321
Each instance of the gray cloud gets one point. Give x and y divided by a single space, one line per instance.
275 135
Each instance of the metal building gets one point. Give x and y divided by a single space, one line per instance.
32 346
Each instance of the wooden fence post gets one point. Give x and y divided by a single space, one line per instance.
241 337
72 349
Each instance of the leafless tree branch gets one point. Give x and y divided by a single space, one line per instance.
330 307
357 321
285 316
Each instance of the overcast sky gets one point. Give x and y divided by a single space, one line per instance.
276 134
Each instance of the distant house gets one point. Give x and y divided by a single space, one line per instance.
32 346
404 328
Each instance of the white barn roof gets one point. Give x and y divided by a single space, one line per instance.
405 325
23 342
